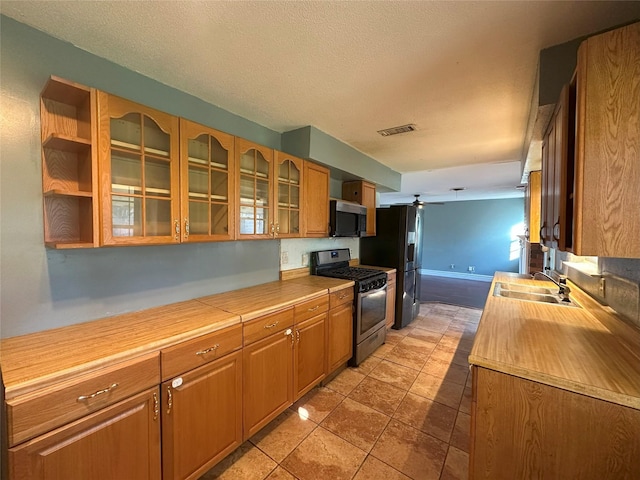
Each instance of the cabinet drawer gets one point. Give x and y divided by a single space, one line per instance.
311 308
199 351
341 297
264 326
40 411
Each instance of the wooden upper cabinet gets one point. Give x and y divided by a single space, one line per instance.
69 165
532 207
139 173
254 167
557 180
207 172
365 194
316 200
607 146
288 181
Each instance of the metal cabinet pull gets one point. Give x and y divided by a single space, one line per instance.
207 350
272 325
298 336
343 296
313 309
176 224
169 400
277 229
186 228
556 226
82 398
156 406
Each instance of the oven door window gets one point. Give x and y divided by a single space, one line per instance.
373 306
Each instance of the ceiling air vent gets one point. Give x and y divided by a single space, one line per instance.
396 130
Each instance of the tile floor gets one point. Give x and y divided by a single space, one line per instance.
404 413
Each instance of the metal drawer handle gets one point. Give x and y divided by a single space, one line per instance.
82 398
207 350
314 308
272 325
343 296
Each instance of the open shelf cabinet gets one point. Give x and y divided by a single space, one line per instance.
69 164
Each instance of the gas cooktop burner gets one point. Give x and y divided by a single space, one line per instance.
351 273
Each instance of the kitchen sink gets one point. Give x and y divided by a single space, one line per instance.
531 294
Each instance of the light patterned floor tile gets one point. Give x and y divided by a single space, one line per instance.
283 434
245 463
324 455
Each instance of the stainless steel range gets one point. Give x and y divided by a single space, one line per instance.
370 298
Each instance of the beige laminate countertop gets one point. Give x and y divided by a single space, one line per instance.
331 284
588 350
42 358
37 360
253 302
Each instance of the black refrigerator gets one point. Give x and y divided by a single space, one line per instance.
398 244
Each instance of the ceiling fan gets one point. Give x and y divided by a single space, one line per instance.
420 204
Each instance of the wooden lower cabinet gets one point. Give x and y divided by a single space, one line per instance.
310 354
340 336
525 429
201 417
118 442
267 380
391 300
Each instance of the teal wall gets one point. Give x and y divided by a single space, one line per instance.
43 288
474 233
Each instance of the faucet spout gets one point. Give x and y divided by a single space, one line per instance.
563 288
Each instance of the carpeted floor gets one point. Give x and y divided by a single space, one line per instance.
454 291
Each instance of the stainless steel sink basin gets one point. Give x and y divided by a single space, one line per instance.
530 294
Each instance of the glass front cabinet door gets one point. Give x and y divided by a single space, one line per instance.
139 174
207 173
288 181
255 188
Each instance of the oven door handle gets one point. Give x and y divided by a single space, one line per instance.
372 292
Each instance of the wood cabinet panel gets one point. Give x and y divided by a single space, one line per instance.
316 200
120 441
365 194
608 145
340 336
532 207
199 351
341 297
310 354
40 411
267 325
524 429
207 184
69 165
267 380
310 308
139 173
202 421
390 314
290 192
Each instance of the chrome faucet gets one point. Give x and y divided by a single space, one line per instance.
563 288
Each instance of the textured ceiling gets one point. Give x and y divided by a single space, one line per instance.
463 72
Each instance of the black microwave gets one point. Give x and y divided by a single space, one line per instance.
347 219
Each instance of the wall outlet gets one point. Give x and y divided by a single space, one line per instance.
284 258
452 266
472 268
305 259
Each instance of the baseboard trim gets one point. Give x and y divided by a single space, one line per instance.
461 275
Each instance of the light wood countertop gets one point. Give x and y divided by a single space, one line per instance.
40 359
331 284
253 302
589 350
